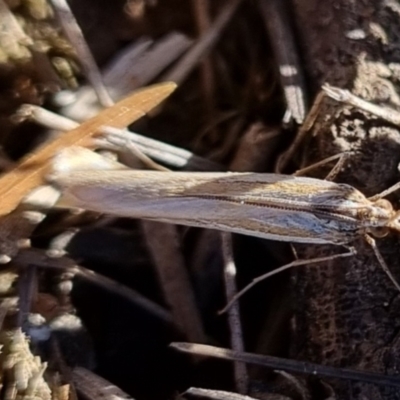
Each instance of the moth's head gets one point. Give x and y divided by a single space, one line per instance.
393 222
383 218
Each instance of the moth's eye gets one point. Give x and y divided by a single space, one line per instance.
379 232
385 204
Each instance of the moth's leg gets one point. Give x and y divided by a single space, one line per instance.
371 241
344 96
295 263
341 157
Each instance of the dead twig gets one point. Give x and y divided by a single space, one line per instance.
240 369
287 365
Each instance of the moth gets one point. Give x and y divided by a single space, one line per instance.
271 206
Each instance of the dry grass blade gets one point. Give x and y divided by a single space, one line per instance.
203 46
28 174
212 394
93 387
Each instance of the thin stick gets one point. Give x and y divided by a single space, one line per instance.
278 26
240 369
203 46
75 35
137 65
201 14
40 259
93 387
213 394
163 242
344 96
300 367
295 263
27 290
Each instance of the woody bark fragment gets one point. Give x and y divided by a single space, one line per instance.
344 315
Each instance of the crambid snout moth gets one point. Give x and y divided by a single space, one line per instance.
270 206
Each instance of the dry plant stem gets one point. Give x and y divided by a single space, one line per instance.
296 263
388 114
240 369
27 290
115 139
203 46
29 173
93 387
282 39
162 54
344 96
212 394
137 66
287 365
124 291
75 35
41 259
122 63
296 384
163 243
202 18
134 150
162 152
287 156
59 243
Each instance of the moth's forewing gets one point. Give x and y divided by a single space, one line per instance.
271 206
